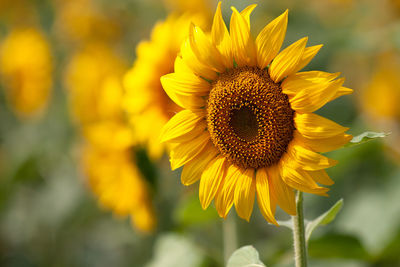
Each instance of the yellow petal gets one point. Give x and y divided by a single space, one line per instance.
184 152
280 192
192 170
301 180
308 55
225 196
193 62
181 67
185 84
211 179
247 12
342 91
221 39
314 97
326 144
263 196
285 63
321 177
204 50
308 80
183 126
311 125
186 101
243 46
245 193
317 76
307 159
270 39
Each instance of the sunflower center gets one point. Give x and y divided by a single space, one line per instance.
249 118
244 123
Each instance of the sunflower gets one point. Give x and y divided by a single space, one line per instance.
96 94
247 126
119 185
26 67
108 160
195 6
380 98
145 99
85 20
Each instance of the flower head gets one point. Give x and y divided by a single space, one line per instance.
194 6
247 126
26 67
96 94
380 97
85 20
119 186
145 99
108 160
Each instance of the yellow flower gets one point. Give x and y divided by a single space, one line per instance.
380 98
93 81
248 126
26 67
146 100
194 6
95 91
83 20
119 186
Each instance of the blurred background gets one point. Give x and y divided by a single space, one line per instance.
74 194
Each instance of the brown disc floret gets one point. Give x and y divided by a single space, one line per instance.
249 118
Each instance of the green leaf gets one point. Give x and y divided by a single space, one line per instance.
365 137
335 245
323 219
246 256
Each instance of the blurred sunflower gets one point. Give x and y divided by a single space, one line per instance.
96 94
145 99
248 125
26 66
108 159
194 6
84 20
379 100
380 97
119 185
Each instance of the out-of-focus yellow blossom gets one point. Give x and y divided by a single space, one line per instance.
119 186
380 101
146 102
93 79
83 20
197 6
381 96
26 67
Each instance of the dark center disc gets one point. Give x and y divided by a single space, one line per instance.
249 118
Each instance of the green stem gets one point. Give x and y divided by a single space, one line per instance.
300 248
229 236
